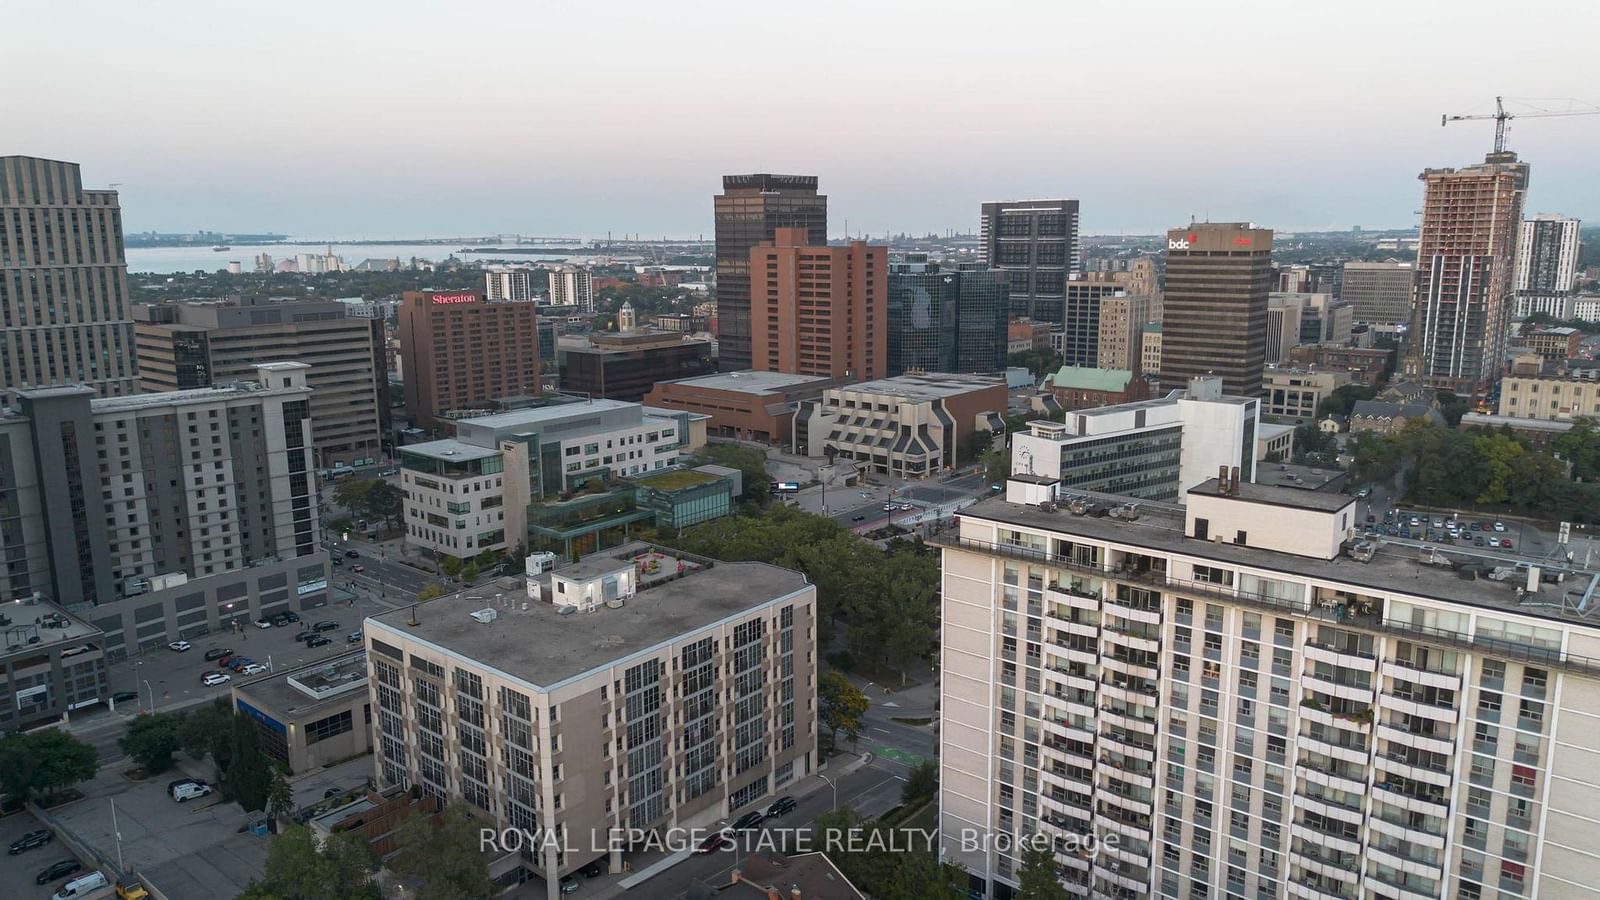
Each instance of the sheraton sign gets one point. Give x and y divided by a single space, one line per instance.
444 299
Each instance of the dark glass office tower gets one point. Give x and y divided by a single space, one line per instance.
749 210
1035 242
946 319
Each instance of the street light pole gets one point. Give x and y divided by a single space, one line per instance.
830 782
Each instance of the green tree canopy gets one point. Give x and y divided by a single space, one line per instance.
44 762
442 860
248 776
430 591
151 740
922 784
1343 398
841 705
1038 878
755 484
298 870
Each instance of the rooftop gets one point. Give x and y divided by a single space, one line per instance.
544 414
750 382
929 386
281 691
1300 478
1273 495
1396 567
675 479
544 648
450 449
1086 379
38 624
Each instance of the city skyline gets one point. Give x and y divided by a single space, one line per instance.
365 126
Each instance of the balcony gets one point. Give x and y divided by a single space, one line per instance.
1316 837
1073 626
1397 763
1433 743
1327 808
1072 599
1129 744
1412 861
1309 887
1127 721
1404 670
1071 729
1313 710
1077 679
1331 777
1326 743
1132 804
1336 655
1418 706
1132 639
1409 801
1126 666
1414 888
1335 686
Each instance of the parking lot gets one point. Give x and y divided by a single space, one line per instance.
17 873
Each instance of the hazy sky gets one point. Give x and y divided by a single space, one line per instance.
350 118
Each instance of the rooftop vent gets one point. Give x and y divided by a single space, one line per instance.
485 615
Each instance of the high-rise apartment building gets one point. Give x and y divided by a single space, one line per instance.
1283 327
1379 293
572 286
750 210
1225 701
1215 309
1080 324
680 693
63 281
1547 254
1122 320
1466 263
160 516
459 352
508 284
198 344
1035 242
945 319
818 310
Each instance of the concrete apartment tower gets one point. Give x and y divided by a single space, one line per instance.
750 209
1379 293
63 281
1215 309
1036 243
1466 266
818 310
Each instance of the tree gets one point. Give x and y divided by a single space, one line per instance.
387 502
280 797
751 463
341 525
298 870
1580 446
912 875
451 566
1309 440
1452 407
1038 879
430 591
841 705
996 466
1343 398
469 572
442 861
151 740
248 777
921 785
206 730
44 762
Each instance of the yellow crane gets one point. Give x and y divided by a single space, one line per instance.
1501 117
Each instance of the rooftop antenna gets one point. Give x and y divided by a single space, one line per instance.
413 614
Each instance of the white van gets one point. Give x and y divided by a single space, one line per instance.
82 886
189 790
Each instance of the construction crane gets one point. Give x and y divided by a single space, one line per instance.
1501 117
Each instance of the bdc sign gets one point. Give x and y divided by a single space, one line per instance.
1182 243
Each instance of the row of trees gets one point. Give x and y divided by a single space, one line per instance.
371 498
1486 468
244 771
888 599
437 858
44 763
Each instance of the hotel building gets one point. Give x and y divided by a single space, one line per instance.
459 352
1242 701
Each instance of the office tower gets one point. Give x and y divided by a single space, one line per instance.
1122 321
1036 243
1215 315
944 319
1080 326
624 366
63 281
751 209
1379 293
1466 263
508 284
572 286
1150 350
1255 711
1292 279
1283 327
681 691
817 310
160 516
911 426
1547 254
460 352
194 344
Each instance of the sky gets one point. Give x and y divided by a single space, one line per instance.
353 119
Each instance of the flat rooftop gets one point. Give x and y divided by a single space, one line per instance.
1274 495
450 449
544 648
273 692
43 620
751 382
931 386
518 418
1395 567
675 479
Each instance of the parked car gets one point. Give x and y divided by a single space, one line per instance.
747 821
238 663
1507 545
326 626
82 886
858 518
317 641
594 869
780 806
570 885
353 637
132 890
58 870
1363 494
124 696
358 569
180 646
1499 526
306 635
253 669
212 679
351 554
219 652
31 840
719 841
186 792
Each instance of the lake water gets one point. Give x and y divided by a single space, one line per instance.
166 260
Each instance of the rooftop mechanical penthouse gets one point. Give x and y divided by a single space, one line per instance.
1257 705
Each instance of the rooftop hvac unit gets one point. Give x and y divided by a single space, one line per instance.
485 615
